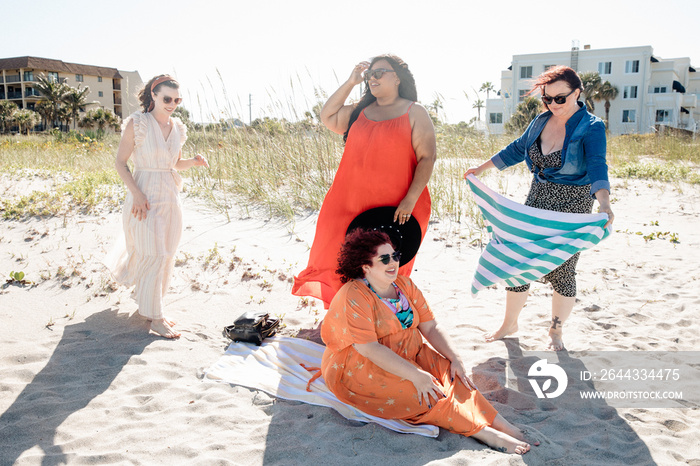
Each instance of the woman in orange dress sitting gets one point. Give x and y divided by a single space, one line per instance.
376 358
387 161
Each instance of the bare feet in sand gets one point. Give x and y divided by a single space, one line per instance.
502 332
555 341
500 441
163 328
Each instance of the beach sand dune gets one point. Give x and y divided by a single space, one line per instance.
82 382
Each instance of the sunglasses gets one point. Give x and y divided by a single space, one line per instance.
386 258
377 73
167 99
560 99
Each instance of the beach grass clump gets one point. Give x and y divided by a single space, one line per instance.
660 171
286 167
87 193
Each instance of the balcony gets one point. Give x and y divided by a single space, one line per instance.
14 95
29 92
117 86
689 100
12 79
117 99
2 79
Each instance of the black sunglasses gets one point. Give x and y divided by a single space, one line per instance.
560 99
386 258
377 73
167 99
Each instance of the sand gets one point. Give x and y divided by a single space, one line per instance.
83 382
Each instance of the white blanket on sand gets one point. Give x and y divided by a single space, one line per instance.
275 368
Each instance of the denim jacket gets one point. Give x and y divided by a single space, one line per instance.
583 154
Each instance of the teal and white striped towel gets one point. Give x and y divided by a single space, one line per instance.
528 243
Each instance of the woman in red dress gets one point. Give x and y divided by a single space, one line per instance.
388 159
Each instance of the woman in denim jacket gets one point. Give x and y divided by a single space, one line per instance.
564 148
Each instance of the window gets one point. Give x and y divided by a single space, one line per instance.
53 76
28 76
525 72
547 67
495 117
521 94
663 116
659 90
79 78
99 79
630 92
100 94
632 66
629 116
605 67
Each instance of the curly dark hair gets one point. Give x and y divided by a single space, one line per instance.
407 87
357 250
145 93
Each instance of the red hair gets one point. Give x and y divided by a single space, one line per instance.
558 73
357 250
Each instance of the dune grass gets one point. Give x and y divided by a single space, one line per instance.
287 168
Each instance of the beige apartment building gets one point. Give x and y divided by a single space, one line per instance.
110 88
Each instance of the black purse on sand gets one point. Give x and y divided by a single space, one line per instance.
252 327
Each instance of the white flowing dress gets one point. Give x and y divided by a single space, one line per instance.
144 255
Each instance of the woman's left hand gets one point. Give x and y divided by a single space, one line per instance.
457 369
403 211
611 216
200 161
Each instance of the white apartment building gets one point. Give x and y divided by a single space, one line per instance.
110 88
653 92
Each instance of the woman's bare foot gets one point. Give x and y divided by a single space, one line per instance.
169 322
502 332
163 328
555 340
502 425
500 441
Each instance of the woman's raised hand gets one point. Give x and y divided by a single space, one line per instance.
200 161
356 75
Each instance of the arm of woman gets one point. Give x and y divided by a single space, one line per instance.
595 149
476 171
126 147
423 140
196 161
440 340
426 385
335 115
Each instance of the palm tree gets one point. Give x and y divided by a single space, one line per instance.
488 87
76 101
591 83
478 105
606 92
101 118
53 92
45 109
527 110
25 119
7 110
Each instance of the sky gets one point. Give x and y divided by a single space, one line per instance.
288 54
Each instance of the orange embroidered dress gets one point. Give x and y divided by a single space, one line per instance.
376 170
357 315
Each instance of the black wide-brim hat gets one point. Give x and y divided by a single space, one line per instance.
406 238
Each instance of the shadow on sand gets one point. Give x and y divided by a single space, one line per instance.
86 361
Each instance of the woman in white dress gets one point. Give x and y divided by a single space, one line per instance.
152 217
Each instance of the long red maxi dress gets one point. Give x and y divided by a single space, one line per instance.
376 170
358 316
